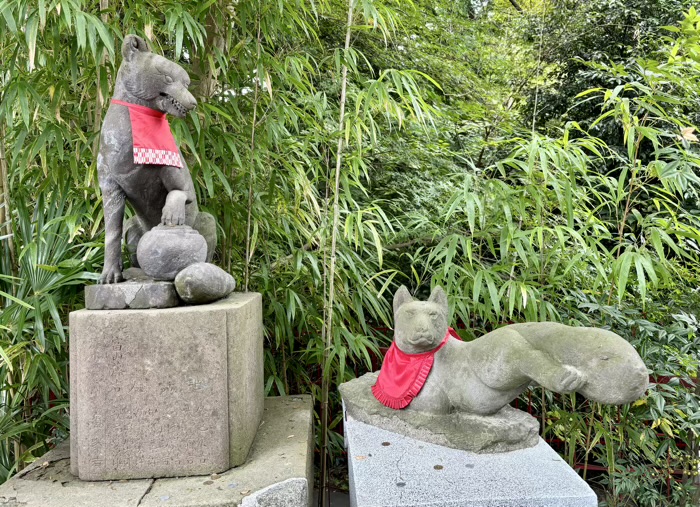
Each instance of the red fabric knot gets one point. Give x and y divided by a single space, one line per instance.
403 375
154 143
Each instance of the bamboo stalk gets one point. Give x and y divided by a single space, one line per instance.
99 106
695 466
248 253
5 211
2 196
208 77
324 493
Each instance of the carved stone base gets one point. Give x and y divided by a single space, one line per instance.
134 294
391 470
278 473
168 392
508 430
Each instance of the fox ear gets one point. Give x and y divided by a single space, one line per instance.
402 296
133 44
439 297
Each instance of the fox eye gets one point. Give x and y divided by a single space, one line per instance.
433 313
168 79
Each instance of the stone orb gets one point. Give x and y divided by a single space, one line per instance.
164 251
203 283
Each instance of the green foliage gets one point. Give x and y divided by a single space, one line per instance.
576 33
260 146
569 229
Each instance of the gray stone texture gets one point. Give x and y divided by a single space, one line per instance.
134 273
202 283
507 430
168 392
278 473
135 294
484 375
283 494
158 194
164 251
389 469
245 371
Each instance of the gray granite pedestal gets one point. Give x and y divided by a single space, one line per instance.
388 469
277 473
165 392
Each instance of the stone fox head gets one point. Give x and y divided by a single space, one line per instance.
419 326
152 80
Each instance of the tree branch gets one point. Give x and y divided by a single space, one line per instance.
515 4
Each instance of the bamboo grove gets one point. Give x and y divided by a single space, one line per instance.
346 148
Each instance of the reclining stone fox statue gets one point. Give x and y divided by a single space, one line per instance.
156 182
431 381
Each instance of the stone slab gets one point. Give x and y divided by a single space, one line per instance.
278 473
133 294
507 430
48 482
167 392
388 469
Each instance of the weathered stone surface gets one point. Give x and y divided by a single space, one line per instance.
283 494
158 193
162 393
278 473
49 483
245 371
133 273
164 251
283 451
507 430
484 375
134 294
389 469
203 283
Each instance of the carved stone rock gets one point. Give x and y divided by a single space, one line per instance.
164 251
203 283
134 273
134 294
507 430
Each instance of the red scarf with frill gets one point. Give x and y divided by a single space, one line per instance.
403 375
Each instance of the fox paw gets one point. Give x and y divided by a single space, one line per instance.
111 274
570 379
173 216
174 209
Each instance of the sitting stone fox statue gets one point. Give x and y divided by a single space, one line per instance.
160 189
482 376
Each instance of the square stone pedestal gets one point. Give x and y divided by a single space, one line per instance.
277 473
388 469
165 392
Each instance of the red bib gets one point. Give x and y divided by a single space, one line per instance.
402 375
154 143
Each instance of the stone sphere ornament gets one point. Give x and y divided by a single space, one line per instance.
164 251
203 283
